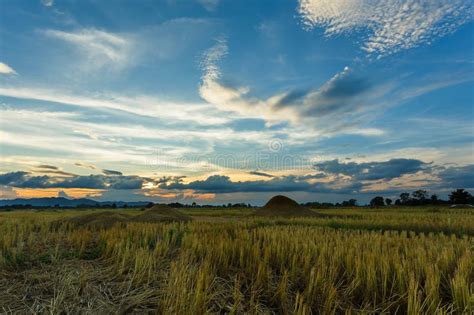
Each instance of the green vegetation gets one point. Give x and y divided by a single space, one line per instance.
350 260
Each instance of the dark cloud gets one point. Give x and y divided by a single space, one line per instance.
343 93
373 170
458 177
26 180
257 173
13 179
45 166
85 165
51 169
112 172
291 97
127 182
338 95
168 179
91 182
58 172
360 177
223 184
313 176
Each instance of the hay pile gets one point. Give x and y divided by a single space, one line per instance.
281 206
104 219
161 213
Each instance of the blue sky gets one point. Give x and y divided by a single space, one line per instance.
226 101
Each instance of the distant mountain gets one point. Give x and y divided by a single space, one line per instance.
66 203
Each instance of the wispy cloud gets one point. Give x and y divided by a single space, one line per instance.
391 25
262 174
85 165
144 105
112 173
98 48
209 5
47 3
6 69
345 93
344 104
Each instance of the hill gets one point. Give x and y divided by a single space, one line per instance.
282 206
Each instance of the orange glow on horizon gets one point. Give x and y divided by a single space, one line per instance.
53 192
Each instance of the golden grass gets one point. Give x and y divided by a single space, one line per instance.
368 263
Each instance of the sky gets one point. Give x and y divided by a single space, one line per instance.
218 101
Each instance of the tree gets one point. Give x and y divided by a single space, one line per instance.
404 198
459 196
420 195
377 202
434 199
114 206
388 201
349 203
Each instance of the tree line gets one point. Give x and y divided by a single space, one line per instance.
421 197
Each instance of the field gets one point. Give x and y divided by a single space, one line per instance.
361 260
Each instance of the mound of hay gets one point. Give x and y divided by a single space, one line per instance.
103 219
161 213
281 206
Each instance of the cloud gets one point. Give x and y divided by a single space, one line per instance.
6 69
48 167
390 25
386 170
7 192
13 178
209 5
335 107
334 177
341 178
98 48
112 173
340 97
55 172
223 184
257 173
140 105
63 194
347 103
458 177
51 169
85 165
47 3
226 97
22 179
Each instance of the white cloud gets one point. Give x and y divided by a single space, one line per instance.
7 192
47 3
6 69
144 105
99 49
392 25
345 104
327 110
209 5
229 98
